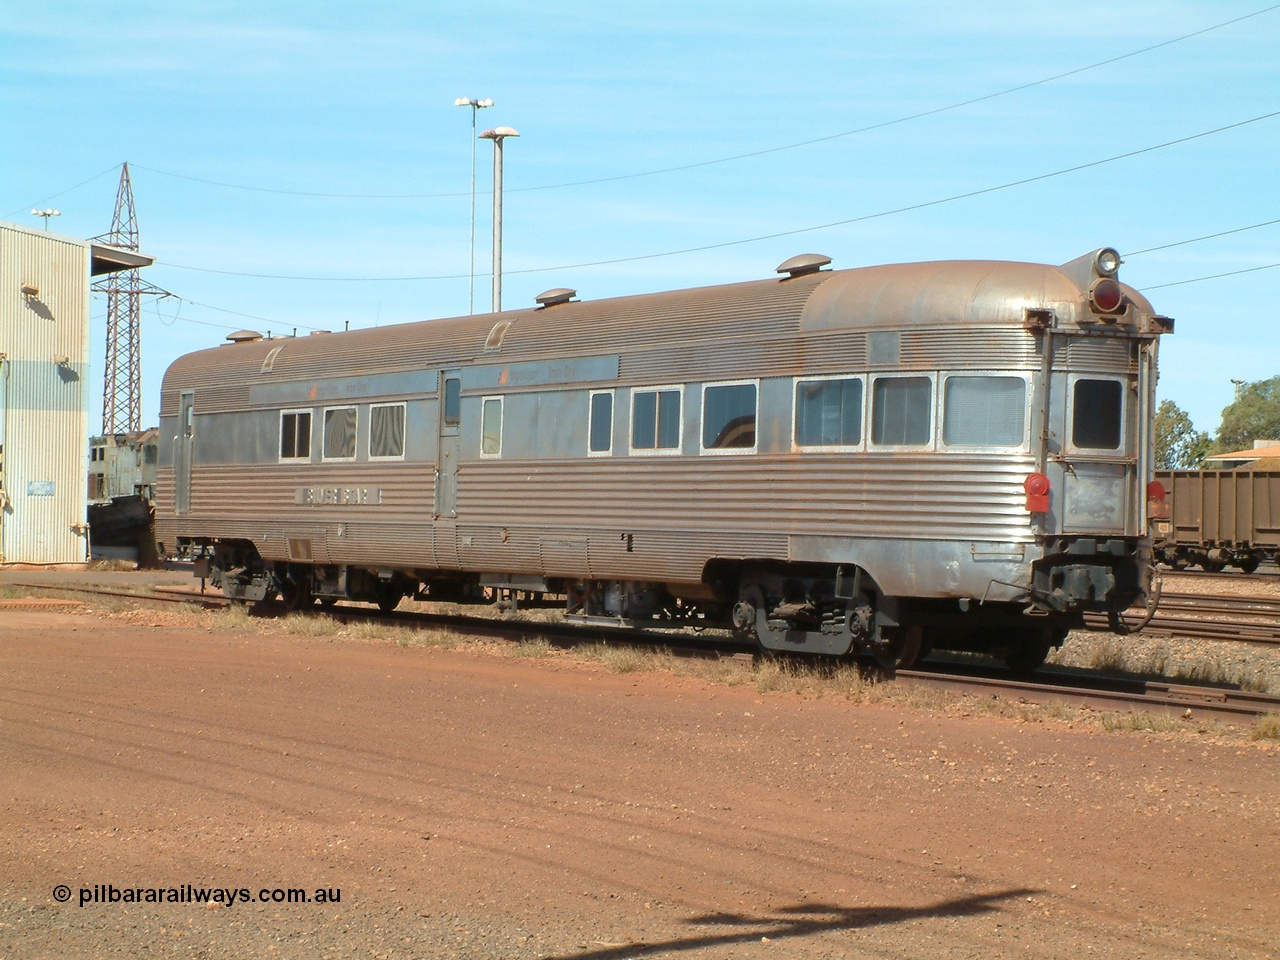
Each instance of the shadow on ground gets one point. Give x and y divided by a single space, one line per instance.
789 923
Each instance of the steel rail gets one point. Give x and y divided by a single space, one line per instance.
1190 700
1240 605
1083 689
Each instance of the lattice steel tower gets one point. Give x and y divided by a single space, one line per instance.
122 389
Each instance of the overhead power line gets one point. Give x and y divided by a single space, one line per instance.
284 324
1207 236
769 236
740 156
1216 276
40 203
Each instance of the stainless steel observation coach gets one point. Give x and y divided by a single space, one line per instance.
884 460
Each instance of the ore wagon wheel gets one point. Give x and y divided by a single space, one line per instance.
1249 564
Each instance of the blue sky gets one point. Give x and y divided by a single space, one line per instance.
269 142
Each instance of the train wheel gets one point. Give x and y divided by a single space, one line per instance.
1030 653
1212 566
389 597
1249 565
751 619
328 602
898 648
295 595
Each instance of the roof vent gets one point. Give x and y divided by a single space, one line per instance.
804 264
244 336
549 298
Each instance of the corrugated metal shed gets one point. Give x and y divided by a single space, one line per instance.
44 359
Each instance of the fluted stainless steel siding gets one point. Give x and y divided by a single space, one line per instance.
258 503
46 437
577 517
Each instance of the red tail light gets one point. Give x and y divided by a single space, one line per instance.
1157 504
1106 296
1036 487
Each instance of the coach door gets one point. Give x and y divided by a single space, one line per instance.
449 445
1100 443
444 530
185 441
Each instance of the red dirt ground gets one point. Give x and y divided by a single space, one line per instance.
468 804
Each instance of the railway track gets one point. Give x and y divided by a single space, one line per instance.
1080 688
1230 605
1267 573
1109 693
1251 619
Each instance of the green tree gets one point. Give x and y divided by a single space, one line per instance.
1179 445
1253 415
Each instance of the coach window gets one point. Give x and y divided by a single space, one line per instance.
386 431
600 424
452 401
1097 414
655 420
901 411
295 435
491 427
984 411
340 433
829 412
729 418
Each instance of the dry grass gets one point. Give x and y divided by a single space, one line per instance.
1267 727
234 617
306 625
534 649
1142 722
112 566
432 639
1190 661
372 631
1222 663
820 678
626 658
724 671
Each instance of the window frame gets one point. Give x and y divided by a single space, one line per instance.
324 433
294 412
453 422
1070 445
404 431
613 406
940 426
702 420
656 451
873 379
484 401
798 447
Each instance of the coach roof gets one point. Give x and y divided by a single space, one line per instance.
957 293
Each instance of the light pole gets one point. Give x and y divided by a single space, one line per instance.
46 214
476 106
497 135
